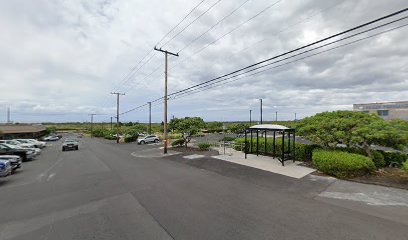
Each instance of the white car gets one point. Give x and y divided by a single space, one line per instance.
148 138
36 143
51 138
17 143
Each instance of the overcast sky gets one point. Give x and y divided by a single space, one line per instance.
60 59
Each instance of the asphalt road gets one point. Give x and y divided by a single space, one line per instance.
110 191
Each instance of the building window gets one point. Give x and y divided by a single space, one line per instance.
382 112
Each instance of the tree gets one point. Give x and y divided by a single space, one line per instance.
353 129
214 126
238 127
188 126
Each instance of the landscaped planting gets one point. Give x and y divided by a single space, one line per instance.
405 166
342 164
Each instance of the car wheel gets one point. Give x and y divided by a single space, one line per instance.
76 148
156 140
142 142
63 149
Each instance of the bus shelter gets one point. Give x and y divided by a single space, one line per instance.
271 132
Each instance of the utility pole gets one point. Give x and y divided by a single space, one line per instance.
111 123
8 115
261 109
276 116
250 117
165 93
117 114
295 117
92 115
150 117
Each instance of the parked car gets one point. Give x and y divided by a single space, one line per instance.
51 138
37 151
36 143
25 154
147 139
5 168
15 161
17 143
70 144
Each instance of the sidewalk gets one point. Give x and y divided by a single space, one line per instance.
291 169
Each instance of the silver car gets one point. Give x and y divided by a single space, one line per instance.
148 139
70 144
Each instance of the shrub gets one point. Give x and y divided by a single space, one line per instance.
228 139
378 159
130 138
405 166
342 164
204 146
178 142
394 157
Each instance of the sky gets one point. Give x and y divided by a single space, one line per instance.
60 60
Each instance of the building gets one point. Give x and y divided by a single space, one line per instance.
387 110
12 131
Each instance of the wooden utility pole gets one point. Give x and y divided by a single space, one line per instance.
117 114
165 93
92 115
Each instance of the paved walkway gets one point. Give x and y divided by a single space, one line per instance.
291 169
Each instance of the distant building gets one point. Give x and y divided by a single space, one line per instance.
387 110
10 131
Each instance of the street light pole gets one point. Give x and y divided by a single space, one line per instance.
250 117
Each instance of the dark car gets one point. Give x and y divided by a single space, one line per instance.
4 150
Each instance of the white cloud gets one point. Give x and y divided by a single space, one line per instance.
60 59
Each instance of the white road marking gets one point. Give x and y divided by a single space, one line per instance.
193 156
50 176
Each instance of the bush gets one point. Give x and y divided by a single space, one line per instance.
378 159
178 142
342 164
204 146
131 138
228 139
394 157
405 166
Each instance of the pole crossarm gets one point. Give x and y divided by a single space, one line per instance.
165 51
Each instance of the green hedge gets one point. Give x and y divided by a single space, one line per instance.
204 146
178 142
405 166
342 164
303 152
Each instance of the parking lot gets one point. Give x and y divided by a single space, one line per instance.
128 191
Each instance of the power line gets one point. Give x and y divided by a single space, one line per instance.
233 79
213 26
297 49
132 71
291 51
188 25
224 35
